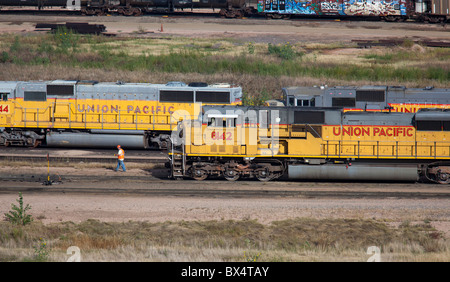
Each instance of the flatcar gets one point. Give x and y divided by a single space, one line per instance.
390 10
367 98
94 114
268 143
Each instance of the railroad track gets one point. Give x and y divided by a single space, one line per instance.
152 185
233 193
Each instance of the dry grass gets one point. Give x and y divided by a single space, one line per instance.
302 239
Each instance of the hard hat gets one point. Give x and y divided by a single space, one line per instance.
118 146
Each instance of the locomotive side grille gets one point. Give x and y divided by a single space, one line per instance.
212 97
176 96
431 125
369 96
343 102
314 117
60 90
35 96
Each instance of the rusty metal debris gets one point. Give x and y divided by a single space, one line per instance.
399 42
82 28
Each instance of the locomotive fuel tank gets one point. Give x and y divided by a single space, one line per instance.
366 172
98 139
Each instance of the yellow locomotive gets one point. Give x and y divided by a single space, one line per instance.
314 143
92 114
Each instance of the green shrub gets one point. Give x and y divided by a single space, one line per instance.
18 214
284 51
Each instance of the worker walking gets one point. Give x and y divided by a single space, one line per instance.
120 158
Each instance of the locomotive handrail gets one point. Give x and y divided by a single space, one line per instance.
414 145
72 111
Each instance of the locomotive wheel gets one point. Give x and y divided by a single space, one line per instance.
99 12
264 175
443 178
88 12
137 12
231 175
199 174
439 174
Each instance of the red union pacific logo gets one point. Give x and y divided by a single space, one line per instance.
373 131
129 109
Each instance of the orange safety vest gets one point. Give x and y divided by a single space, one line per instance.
121 154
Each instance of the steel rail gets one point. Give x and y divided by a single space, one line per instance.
233 193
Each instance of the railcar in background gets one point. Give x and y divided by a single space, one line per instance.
390 10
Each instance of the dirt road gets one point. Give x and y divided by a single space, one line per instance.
256 30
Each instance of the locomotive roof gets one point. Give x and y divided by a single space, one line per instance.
433 115
175 84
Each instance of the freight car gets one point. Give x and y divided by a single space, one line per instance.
390 10
317 143
229 8
367 98
91 114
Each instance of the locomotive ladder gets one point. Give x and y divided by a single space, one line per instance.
178 162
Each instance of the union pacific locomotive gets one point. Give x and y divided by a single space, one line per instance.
315 143
91 114
390 10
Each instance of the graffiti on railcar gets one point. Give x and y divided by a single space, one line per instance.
375 7
332 7
302 7
335 7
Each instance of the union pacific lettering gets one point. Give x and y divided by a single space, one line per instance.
413 108
129 109
373 131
